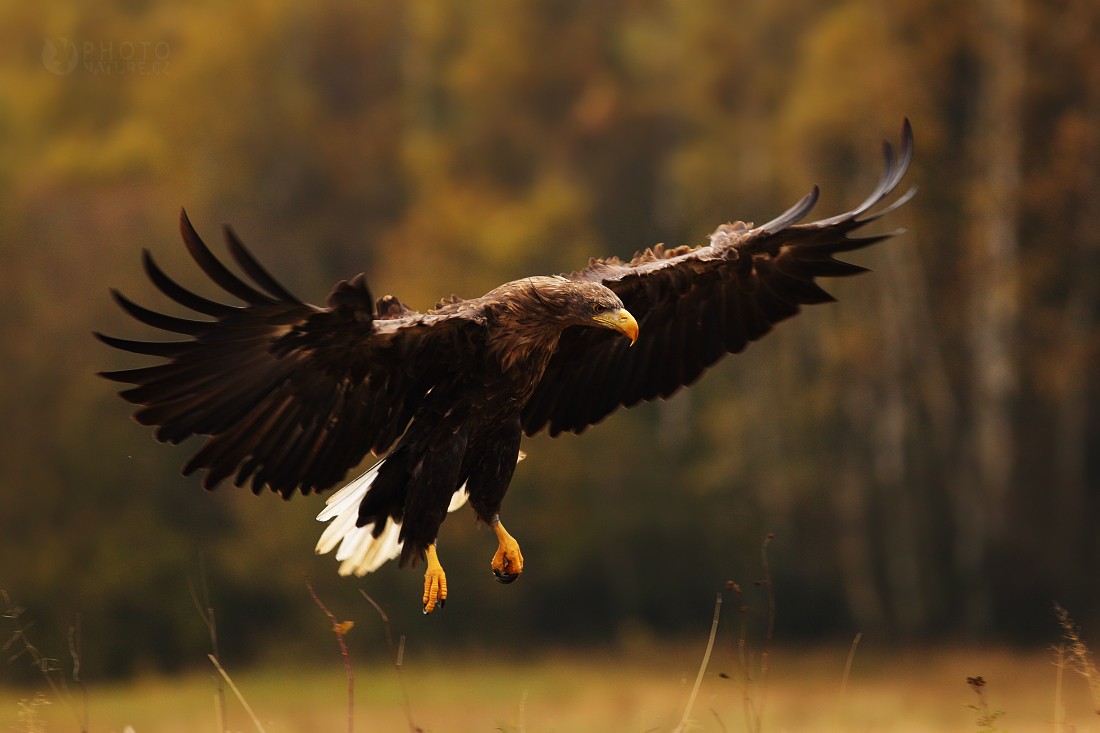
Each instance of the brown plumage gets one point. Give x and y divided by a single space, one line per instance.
291 396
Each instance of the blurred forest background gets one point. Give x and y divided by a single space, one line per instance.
925 451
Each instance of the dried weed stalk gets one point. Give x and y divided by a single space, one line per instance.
205 609
340 628
1078 657
398 657
987 717
19 645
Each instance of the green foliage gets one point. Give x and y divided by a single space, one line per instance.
446 148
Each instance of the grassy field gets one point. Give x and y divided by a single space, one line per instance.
913 690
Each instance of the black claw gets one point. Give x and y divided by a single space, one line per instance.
442 602
503 577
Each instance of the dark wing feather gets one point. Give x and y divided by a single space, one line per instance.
289 395
695 305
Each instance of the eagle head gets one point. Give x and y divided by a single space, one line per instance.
602 307
578 303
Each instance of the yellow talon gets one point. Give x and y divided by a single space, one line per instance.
508 561
435 582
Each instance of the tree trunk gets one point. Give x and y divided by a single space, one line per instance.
994 308
1077 350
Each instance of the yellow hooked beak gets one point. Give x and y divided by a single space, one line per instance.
620 320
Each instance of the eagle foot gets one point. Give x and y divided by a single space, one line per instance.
435 582
508 561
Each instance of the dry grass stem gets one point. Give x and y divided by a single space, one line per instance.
769 635
702 667
244 703
986 716
398 659
848 666
340 628
754 709
219 707
1060 668
1080 658
74 654
742 659
206 612
19 642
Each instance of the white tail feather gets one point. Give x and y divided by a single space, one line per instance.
360 552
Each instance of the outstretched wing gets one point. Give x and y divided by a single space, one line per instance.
695 305
290 395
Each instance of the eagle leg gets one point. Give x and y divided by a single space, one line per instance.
508 560
435 581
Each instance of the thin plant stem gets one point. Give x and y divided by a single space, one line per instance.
1060 668
41 662
74 654
1080 658
339 628
244 703
219 707
770 633
702 667
206 612
848 667
742 658
398 658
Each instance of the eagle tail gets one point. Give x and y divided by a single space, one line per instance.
360 551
